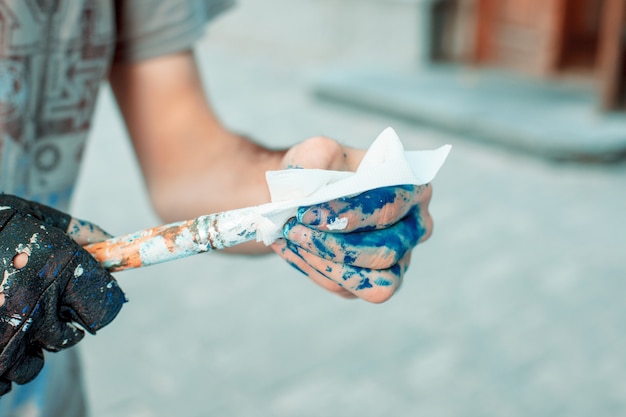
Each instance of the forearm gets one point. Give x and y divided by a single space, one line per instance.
224 172
192 164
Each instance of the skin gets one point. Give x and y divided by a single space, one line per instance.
84 232
20 260
194 165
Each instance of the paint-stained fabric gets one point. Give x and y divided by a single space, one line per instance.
54 55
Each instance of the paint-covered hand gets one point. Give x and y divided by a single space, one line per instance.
358 246
49 282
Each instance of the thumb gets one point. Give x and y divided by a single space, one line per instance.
321 152
84 232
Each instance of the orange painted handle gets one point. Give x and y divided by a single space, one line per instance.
144 247
176 240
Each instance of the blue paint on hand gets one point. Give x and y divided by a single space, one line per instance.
309 215
320 244
382 282
288 226
365 283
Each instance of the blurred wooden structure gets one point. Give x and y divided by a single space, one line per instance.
545 38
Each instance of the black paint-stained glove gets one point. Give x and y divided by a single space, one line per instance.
61 283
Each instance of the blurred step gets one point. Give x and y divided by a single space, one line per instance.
558 121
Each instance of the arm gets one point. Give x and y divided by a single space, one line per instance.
193 165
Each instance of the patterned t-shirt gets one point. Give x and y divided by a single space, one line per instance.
54 56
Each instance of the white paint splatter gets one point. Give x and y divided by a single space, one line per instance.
184 239
78 271
4 285
15 320
153 250
27 324
339 223
28 248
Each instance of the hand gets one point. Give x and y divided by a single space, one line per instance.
49 282
358 246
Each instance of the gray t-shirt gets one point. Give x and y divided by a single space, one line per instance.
54 55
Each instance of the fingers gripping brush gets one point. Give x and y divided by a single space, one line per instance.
385 164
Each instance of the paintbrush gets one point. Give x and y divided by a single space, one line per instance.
385 164
178 240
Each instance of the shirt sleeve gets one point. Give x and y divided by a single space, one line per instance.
147 29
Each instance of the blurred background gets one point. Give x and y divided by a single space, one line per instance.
514 307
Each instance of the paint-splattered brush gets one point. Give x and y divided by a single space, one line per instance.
177 240
385 164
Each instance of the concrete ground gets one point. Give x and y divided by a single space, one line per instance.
515 306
